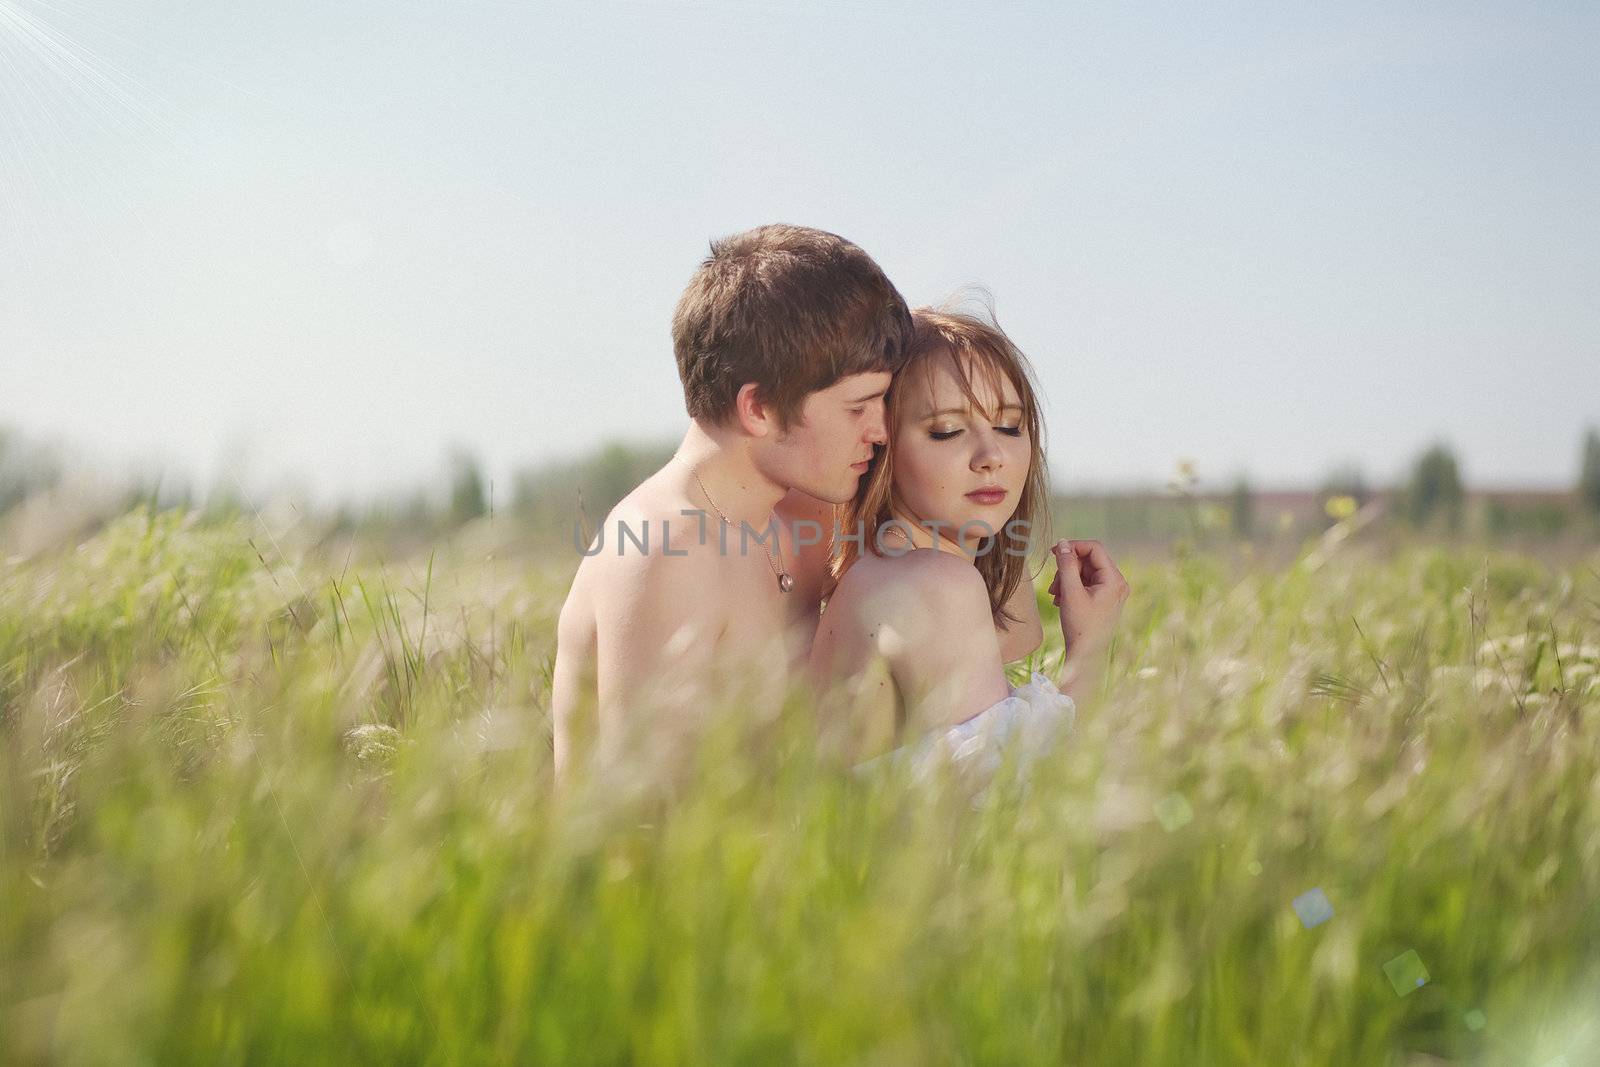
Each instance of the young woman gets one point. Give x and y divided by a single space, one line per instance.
909 647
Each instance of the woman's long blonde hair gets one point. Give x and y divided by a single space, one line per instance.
980 350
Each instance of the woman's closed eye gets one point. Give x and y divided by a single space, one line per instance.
946 435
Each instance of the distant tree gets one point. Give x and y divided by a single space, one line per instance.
24 468
159 490
1540 518
1242 508
10 491
609 476
1434 492
1589 475
467 498
553 492
412 512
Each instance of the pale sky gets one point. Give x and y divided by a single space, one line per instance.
334 238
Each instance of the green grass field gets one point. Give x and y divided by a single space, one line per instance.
268 801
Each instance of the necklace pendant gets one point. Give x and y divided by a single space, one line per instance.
785 583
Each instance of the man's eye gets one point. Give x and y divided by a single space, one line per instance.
943 435
1010 431
858 411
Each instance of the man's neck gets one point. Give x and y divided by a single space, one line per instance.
720 477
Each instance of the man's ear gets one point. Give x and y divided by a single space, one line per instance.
756 417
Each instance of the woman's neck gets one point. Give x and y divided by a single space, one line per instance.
922 536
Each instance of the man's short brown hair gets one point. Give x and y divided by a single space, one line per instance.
789 308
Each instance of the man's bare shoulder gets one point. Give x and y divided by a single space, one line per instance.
653 532
645 552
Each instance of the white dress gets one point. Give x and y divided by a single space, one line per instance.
1029 719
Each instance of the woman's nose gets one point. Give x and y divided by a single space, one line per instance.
988 456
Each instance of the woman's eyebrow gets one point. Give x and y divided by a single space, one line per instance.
963 411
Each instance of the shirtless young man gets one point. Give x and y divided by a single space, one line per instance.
786 340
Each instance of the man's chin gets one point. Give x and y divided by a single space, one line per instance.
847 491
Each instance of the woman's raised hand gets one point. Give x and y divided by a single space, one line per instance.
1090 591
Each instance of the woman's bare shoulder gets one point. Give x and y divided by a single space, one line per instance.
928 570
929 616
921 586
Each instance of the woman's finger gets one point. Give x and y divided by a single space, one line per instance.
1097 563
1069 573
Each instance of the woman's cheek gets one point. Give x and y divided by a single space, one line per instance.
1022 459
931 485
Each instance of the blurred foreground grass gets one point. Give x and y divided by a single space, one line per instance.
293 805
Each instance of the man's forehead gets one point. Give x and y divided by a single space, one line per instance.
861 386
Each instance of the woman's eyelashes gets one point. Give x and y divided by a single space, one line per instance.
946 435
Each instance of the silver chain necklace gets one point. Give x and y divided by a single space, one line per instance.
785 583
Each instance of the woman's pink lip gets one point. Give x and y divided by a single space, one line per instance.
862 466
987 496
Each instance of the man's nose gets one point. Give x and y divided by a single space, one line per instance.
878 430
